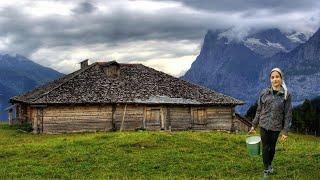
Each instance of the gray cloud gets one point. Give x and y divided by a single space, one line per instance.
84 7
277 6
28 34
88 24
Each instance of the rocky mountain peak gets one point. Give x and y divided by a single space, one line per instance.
272 41
240 69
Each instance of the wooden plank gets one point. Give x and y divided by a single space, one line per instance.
77 117
162 118
78 121
144 117
124 114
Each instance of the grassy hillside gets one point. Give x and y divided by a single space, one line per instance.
157 155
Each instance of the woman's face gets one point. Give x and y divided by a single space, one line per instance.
275 79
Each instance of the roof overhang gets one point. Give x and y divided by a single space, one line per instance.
10 107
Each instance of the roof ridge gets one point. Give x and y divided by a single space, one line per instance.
114 61
76 74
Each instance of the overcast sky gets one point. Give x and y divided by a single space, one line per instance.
165 35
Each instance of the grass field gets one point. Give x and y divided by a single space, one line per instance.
145 155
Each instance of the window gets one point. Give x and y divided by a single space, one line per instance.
199 116
112 71
153 117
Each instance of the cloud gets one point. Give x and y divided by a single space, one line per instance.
276 6
171 57
84 7
59 33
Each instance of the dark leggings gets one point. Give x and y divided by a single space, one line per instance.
269 140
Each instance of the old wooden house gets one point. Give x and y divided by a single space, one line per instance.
241 123
107 96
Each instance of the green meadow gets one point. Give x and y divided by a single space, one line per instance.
150 155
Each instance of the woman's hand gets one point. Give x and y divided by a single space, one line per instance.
252 130
284 137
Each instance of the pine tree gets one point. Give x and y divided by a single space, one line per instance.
306 117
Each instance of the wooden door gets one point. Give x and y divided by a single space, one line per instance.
199 118
153 118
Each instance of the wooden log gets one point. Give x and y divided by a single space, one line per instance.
124 114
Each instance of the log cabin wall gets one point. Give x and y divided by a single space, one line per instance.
58 119
240 126
133 117
219 118
33 116
18 111
30 114
21 113
180 117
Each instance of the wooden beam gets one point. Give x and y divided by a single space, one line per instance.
191 121
41 111
161 118
38 120
124 114
168 118
114 107
38 106
144 117
10 117
232 128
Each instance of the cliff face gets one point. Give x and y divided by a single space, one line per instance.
241 68
225 66
301 67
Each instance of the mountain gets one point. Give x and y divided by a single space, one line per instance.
241 68
19 74
272 41
5 94
218 64
301 67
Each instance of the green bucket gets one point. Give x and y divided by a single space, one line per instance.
253 145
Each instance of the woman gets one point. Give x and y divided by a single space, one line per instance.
274 114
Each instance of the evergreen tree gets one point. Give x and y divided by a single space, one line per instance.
306 117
